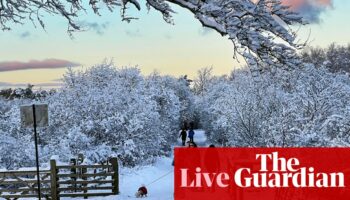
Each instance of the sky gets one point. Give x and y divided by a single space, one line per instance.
40 57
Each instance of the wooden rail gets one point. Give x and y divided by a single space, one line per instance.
84 175
62 181
23 184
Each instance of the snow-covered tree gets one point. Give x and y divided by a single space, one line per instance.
204 76
106 107
259 30
118 111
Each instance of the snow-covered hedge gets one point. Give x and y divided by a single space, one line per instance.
304 107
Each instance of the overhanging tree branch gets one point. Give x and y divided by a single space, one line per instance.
259 30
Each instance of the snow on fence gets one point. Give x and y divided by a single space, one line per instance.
62 181
23 184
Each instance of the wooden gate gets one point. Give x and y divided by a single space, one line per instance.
23 184
62 181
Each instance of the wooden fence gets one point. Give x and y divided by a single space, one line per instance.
62 181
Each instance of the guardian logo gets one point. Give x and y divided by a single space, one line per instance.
258 173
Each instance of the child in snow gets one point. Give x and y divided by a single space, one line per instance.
142 192
183 136
191 144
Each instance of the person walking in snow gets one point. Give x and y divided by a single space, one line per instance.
183 135
191 134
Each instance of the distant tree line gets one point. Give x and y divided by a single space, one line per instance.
335 57
25 93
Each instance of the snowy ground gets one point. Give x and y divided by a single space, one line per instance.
163 189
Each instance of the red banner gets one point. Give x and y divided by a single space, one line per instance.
262 173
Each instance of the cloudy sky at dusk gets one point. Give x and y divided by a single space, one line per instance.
29 55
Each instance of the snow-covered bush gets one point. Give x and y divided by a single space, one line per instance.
16 148
100 112
105 109
304 107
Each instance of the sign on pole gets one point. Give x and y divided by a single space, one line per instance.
35 116
41 115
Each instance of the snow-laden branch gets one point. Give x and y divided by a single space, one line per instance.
259 30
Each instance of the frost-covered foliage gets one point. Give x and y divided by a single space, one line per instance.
16 148
163 86
258 29
101 112
305 107
107 111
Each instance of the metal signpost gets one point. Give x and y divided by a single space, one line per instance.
35 116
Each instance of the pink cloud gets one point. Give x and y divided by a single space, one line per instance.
36 64
300 3
310 10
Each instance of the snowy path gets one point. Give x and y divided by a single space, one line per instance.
163 189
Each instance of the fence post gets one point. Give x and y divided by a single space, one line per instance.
115 177
84 171
54 192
